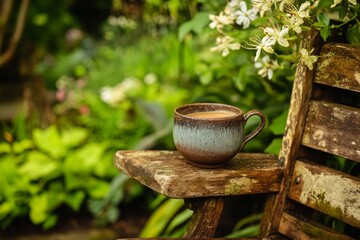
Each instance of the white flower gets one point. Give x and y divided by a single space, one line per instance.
118 93
232 7
294 23
245 16
224 45
278 35
284 3
262 6
219 21
112 96
353 2
336 2
265 44
307 58
304 10
266 67
234 3
296 16
150 78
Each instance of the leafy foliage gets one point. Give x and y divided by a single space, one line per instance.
169 219
118 91
53 168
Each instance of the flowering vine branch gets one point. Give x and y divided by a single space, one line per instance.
276 26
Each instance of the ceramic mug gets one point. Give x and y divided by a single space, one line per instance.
209 134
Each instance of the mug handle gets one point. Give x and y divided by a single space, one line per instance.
259 127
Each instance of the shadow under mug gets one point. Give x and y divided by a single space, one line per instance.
209 134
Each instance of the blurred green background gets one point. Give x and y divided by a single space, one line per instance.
91 77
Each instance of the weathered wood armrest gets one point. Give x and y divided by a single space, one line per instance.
168 173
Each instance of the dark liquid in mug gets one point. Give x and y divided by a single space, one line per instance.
211 114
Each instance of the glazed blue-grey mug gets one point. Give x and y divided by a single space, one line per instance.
209 134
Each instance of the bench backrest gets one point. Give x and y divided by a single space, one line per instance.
321 149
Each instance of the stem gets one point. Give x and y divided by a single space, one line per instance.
5 11
7 55
289 57
342 24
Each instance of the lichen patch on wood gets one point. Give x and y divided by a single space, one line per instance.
240 184
333 128
327 190
168 173
357 77
163 180
338 66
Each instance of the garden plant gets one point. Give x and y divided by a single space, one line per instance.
114 86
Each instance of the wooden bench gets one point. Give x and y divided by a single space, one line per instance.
323 125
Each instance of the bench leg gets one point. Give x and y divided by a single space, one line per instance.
207 212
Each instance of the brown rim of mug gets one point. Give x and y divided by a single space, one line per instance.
238 112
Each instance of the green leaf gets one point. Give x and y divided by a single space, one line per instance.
184 29
274 147
8 169
39 208
318 25
25 144
56 195
173 6
178 220
158 221
116 191
39 165
95 206
277 126
343 10
97 188
206 77
74 180
325 33
158 200
5 147
74 136
153 112
247 220
196 24
244 76
105 168
6 208
112 214
251 231
353 34
85 159
323 18
200 21
74 200
49 141
50 222
150 140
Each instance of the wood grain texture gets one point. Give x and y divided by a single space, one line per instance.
328 191
339 66
168 173
333 128
207 213
295 123
304 229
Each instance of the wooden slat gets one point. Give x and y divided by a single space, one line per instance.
303 229
326 190
333 128
301 93
339 66
168 173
